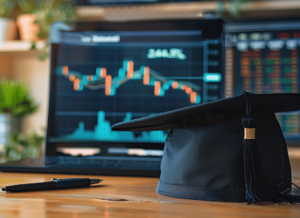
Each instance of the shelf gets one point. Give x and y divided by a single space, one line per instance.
19 46
186 9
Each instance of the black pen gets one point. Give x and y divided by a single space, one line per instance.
54 184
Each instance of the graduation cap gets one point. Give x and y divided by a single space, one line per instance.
229 150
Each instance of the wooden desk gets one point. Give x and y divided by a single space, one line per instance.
121 197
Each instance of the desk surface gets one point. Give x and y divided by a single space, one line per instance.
121 197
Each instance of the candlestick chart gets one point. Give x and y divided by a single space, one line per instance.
102 80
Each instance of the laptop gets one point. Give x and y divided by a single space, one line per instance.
103 73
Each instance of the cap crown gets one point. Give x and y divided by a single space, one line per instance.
203 156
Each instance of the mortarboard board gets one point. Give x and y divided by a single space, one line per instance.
229 150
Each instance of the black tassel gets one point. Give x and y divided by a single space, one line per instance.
253 173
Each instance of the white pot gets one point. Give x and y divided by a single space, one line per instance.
7 29
8 125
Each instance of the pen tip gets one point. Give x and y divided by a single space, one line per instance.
3 189
93 181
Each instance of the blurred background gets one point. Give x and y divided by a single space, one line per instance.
253 52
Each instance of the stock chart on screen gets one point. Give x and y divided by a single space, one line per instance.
263 57
102 78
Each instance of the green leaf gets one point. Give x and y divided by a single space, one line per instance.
6 7
20 146
15 99
43 56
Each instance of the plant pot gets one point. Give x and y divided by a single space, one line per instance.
27 28
8 125
7 29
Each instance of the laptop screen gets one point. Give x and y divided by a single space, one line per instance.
102 76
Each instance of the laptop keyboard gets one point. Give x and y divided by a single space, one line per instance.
105 164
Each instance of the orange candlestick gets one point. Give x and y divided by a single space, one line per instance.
107 85
188 90
76 84
175 85
103 72
130 69
146 75
65 70
193 97
157 88
72 78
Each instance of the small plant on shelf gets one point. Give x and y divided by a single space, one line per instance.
15 99
49 12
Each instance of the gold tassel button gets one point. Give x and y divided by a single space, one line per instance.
249 133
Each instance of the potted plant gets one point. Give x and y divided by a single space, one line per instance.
37 16
7 25
15 103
